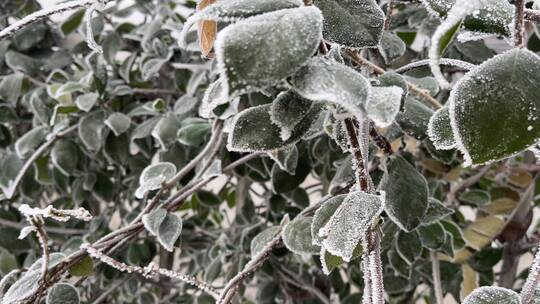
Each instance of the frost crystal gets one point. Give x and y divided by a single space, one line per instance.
329 81
440 130
61 215
350 222
383 106
492 294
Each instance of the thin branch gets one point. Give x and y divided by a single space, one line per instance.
519 23
389 12
380 140
55 230
436 273
358 160
44 241
466 66
44 13
13 186
413 88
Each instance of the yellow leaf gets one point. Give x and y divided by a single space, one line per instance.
469 282
519 178
453 175
480 233
500 206
207 31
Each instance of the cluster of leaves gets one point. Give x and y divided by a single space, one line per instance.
327 126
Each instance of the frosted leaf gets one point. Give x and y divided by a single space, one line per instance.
214 169
213 97
253 130
344 175
23 288
185 105
427 83
408 246
25 231
335 53
406 193
323 214
286 159
476 197
494 18
193 131
391 47
262 50
440 130
153 220
153 176
350 222
414 119
30 141
86 101
432 236
466 36
262 239
297 236
329 81
384 104
356 23
330 262
491 295
54 259
435 212
165 131
234 10
458 240
494 109
118 123
287 110
63 293
90 130
169 231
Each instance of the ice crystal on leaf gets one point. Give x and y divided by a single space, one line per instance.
384 104
349 223
153 176
491 295
297 236
440 130
260 51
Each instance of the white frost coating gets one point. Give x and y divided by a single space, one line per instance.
26 231
442 61
324 266
383 106
329 81
350 222
460 10
61 215
98 5
492 294
153 176
213 97
472 36
232 11
435 131
453 120
301 23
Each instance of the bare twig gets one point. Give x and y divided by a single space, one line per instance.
44 241
413 88
44 13
519 23
436 273
466 66
389 12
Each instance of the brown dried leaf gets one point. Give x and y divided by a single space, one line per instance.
207 31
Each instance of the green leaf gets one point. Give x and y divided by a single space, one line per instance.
166 226
414 119
440 130
329 262
357 24
23 63
64 156
86 101
118 123
287 111
165 132
494 108
246 136
476 197
491 295
262 239
11 87
391 47
329 81
432 236
239 9
83 268
23 288
349 223
194 132
90 130
63 293
30 141
286 159
384 104
260 51
297 236
29 36
409 246
435 211
72 22
323 215
406 193
151 67
8 262
153 176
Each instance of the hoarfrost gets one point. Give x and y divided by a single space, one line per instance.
492 294
350 222
440 130
384 104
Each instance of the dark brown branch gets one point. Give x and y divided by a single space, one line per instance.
519 23
380 140
358 161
